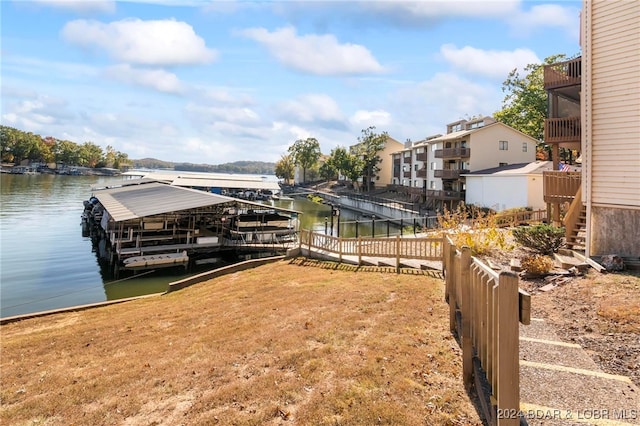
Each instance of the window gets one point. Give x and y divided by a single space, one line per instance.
525 147
503 145
419 150
432 185
415 167
502 164
407 154
433 165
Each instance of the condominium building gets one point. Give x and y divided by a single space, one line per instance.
435 166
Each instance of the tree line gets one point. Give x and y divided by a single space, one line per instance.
524 108
17 145
358 162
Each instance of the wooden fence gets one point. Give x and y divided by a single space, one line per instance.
429 248
485 308
505 220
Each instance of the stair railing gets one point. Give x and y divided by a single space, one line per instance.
573 214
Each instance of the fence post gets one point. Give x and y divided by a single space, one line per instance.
340 248
373 226
465 295
508 383
310 237
451 279
445 267
359 251
398 254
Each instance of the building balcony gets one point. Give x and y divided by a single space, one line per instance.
453 153
445 195
396 161
422 173
560 187
449 173
421 156
562 130
407 174
563 74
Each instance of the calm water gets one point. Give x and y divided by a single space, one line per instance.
46 262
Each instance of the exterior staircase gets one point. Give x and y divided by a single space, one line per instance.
575 236
575 222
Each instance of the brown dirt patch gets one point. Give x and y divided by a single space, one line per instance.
294 342
598 311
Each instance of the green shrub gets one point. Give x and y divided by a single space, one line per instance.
543 239
537 264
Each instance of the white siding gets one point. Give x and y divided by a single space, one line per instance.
498 192
613 77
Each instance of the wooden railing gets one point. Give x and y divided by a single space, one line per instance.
428 248
452 153
559 187
485 308
505 220
449 173
559 130
562 74
573 214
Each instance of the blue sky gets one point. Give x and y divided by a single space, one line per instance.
216 82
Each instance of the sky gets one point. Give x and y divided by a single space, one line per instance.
211 82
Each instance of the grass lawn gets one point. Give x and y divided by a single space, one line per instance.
293 342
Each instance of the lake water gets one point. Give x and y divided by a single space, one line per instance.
47 263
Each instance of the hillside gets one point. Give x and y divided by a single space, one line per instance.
292 342
243 167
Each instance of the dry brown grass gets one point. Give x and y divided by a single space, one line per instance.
294 342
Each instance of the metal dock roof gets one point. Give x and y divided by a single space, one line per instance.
137 201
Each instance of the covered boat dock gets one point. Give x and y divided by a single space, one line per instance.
147 223
235 185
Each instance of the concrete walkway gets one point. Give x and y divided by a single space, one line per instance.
561 385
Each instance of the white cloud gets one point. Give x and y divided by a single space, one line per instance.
211 115
312 108
156 79
397 13
425 108
440 9
315 54
38 113
541 17
489 63
225 96
162 42
81 6
377 118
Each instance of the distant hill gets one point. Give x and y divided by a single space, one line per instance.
247 167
